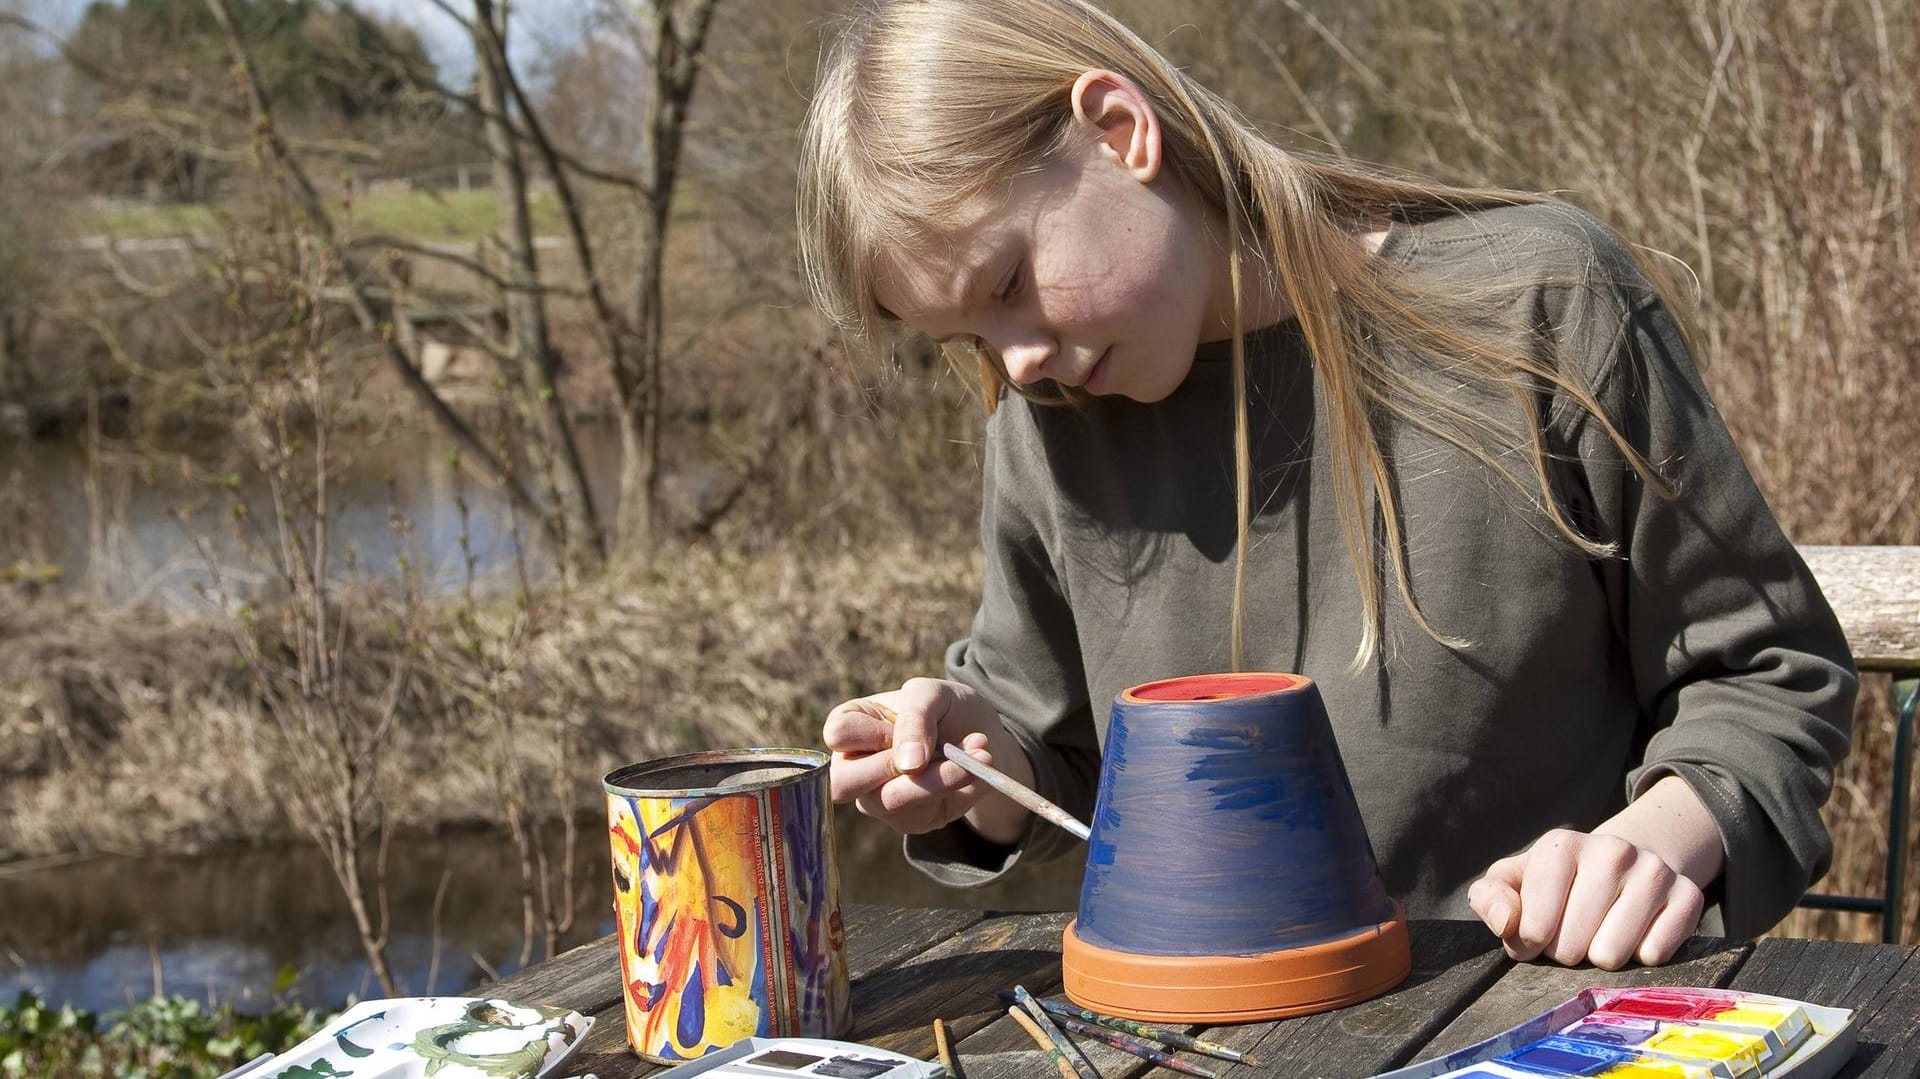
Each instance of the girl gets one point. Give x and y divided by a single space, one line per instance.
1442 449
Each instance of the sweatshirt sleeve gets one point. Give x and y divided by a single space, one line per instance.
1744 680
1022 655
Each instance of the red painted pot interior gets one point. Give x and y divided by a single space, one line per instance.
1215 687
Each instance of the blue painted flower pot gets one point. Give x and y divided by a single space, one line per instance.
1229 875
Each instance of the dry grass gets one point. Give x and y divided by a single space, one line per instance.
131 730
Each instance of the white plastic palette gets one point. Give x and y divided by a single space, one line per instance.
437 1037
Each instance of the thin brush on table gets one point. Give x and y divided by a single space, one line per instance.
1040 1039
1151 1053
1067 1049
1164 1037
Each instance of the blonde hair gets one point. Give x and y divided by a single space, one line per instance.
926 105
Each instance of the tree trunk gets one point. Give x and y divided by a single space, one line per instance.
550 445
641 413
675 48
13 355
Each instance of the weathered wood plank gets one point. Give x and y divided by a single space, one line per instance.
959 981
1528 989
586 979
1875 591
1880 982
1820 971
1452 963
877 939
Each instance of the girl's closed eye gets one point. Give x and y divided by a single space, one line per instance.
1016 280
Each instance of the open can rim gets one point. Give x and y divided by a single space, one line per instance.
811 761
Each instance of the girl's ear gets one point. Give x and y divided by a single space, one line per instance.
1123 117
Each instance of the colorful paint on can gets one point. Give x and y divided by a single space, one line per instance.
726 900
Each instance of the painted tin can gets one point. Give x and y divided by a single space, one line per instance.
726 900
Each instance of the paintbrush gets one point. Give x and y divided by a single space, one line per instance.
1067 1049
998 780
1151 1054
1164 1037
1014 789
1040 1039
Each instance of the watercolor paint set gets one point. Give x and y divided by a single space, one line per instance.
793 1058
1659 1033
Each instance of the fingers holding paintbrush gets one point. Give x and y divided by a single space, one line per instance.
927 754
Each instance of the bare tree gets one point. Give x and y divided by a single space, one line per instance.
30 211
673 34
329 671
550 444
359 297
669 38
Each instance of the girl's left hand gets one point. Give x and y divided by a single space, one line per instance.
1591 896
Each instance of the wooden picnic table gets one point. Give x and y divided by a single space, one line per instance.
910 967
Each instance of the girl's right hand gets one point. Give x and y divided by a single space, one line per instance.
883 745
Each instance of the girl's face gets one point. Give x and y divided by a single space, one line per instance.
1098 271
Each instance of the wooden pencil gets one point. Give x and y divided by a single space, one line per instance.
1033 1030
947 1059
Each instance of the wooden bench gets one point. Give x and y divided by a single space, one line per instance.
1875 591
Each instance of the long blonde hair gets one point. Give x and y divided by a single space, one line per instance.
926 105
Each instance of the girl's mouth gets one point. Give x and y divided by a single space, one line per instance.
1096 380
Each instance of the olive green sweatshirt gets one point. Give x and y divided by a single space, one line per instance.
1704 650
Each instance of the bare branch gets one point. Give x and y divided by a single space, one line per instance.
489 467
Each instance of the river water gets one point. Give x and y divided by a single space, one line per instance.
159 525
106 931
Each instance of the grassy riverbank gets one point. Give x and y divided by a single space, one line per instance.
134 730
430 216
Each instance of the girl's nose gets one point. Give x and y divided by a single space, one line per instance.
1026 361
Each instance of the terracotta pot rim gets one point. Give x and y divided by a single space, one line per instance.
1238 988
